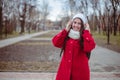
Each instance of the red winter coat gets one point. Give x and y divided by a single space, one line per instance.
74 63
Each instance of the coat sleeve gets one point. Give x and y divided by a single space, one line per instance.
58 40
89 42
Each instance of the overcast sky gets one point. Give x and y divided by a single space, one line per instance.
55 9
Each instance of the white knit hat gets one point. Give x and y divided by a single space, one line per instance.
81 16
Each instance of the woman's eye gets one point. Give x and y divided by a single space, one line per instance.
74 22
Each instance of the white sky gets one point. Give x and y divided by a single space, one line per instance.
55 9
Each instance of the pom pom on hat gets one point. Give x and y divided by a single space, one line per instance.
81 16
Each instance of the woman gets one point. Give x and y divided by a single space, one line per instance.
76 41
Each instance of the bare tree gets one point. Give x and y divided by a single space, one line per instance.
115 4
85 6
8 10
71 6
13 12
99 16
95 9
30 17
22 14
108 7
1 19
118 21
44 9
8 16
79 4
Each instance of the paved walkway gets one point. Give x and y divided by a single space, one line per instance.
101 60
51 76
10 41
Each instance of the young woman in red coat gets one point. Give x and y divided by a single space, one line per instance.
75 41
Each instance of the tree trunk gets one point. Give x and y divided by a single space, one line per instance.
117 23
23 16
115 26
22 27
1 20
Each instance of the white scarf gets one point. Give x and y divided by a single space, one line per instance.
74 34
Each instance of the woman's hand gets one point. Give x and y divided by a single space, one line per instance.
69 25
87 27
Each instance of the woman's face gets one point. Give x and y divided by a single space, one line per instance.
76 25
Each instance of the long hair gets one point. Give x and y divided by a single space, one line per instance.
81 38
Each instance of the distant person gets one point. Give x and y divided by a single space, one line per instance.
75 41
